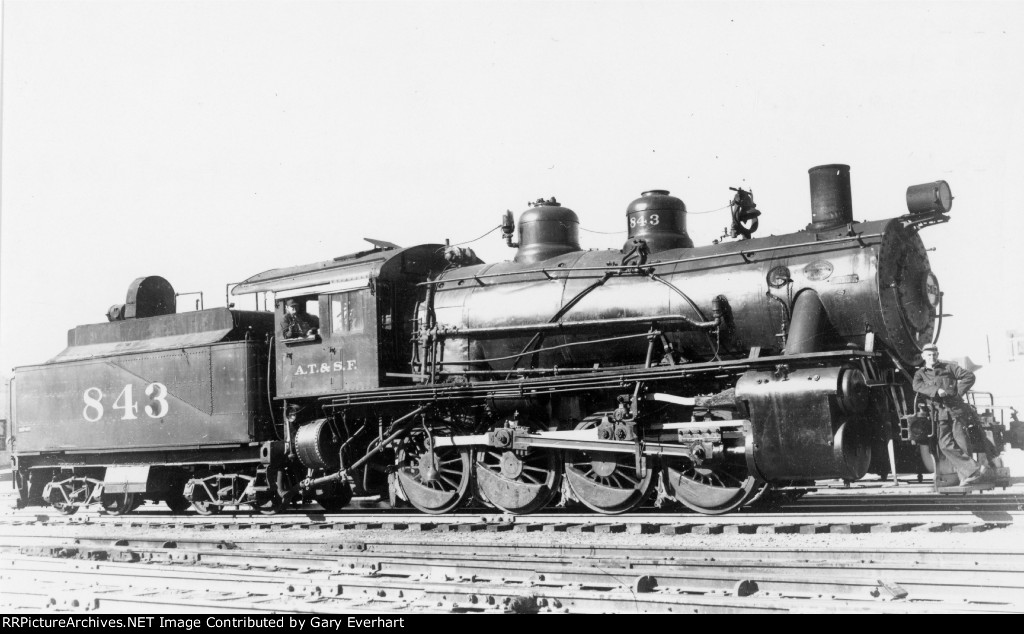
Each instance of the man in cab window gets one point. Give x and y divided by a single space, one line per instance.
297 323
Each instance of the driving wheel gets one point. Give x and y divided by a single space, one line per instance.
435 480
608 483
518 481
707 488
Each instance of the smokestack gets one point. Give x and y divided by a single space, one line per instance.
831 201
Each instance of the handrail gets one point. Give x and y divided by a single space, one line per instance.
744 253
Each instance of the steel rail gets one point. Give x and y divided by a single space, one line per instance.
424 553
867 512
474 596
806 579
1001 559
173 587
989 581
979 516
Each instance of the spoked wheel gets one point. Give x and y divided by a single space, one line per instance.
434 480
61 499
65 508
120 503
706 488
608 483
278 481
177 503
207 508
518 481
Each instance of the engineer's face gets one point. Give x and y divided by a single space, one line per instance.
930 357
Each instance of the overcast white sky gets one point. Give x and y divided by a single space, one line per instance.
208 141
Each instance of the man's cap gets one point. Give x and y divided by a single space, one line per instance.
291 302
930 347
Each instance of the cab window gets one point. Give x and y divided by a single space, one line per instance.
295 331
347 312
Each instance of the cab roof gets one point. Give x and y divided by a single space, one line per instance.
346 272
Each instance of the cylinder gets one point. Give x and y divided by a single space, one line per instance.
659 219
546 231
831 200
929 198
317 446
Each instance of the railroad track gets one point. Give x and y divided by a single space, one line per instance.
824 499
698 525
112 572
373 560
864 511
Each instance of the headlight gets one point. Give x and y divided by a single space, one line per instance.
929 198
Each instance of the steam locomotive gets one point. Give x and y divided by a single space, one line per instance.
660 372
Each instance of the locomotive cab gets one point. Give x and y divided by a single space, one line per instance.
340 354
364 303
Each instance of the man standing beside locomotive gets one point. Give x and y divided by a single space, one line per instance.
944 385
297 322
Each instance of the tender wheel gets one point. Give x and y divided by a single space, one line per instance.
518 481
65 508
170 488
434 480
177 503
608 483
60 498
207 508
708 489
120 503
